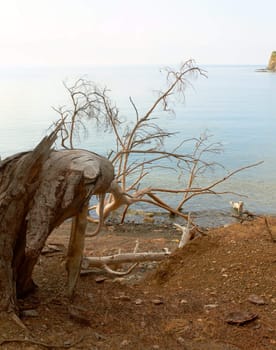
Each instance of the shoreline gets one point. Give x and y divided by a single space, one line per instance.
206 219
264 70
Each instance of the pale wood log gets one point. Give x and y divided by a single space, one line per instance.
125 258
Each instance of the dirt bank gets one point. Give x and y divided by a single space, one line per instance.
218 292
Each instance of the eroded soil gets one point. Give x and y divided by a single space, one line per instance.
188 301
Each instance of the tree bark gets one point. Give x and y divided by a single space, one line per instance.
38 191
18 183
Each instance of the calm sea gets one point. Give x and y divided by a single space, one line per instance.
236 104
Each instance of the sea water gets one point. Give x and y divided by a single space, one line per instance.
236 104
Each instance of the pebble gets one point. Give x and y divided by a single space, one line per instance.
255 299
100 279
67 343
183 301
210 306
122 297
119 279
181 340
157 301
240 317
124 343
30 313
91 297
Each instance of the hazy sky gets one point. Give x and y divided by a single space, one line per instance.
68 32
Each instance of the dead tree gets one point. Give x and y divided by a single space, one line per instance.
139 145
38 191
18 184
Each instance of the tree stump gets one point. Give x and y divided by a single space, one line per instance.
38 191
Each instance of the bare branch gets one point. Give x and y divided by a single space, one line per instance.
125 258
144 137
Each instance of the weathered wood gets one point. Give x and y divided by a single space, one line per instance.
99 261
38 191
75 248
18 183
67 180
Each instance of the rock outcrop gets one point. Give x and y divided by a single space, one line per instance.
272 62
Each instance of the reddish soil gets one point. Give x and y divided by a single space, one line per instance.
188 301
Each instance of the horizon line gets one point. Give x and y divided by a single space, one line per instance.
60 65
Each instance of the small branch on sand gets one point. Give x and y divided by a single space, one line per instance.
126 258
121 258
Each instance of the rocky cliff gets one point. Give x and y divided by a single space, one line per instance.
272 62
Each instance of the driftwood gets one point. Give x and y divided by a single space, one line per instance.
122 258
38 191
186 233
